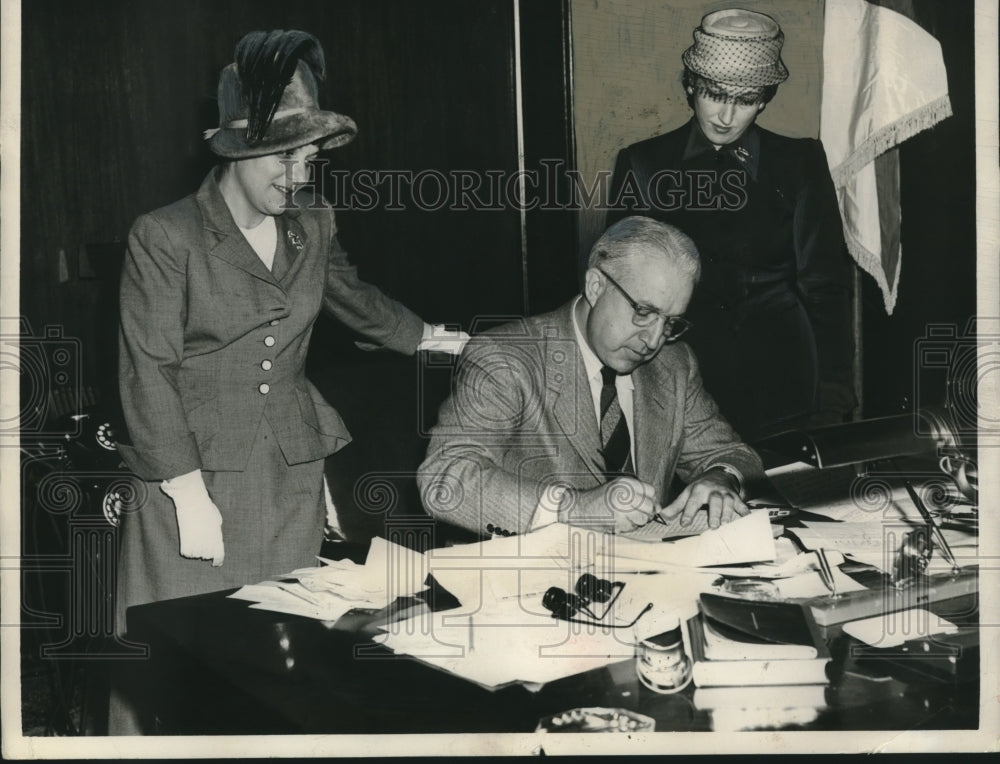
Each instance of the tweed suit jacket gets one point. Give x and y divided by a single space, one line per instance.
521 419
211 341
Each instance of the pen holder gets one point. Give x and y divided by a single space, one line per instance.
661 663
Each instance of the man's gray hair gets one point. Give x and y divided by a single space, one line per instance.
617 243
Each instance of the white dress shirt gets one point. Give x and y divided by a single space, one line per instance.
263 237
623 382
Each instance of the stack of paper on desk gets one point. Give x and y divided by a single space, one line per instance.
507 645
337 586
502 634
747 539
545 547
657 531
560 546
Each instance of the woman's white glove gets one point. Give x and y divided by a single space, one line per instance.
440 338
199 522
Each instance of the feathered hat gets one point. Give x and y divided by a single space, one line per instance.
268 98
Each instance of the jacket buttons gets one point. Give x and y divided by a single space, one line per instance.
269 341
489 527
274 322
264 388
265 365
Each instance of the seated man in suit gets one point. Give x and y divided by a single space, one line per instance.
584 414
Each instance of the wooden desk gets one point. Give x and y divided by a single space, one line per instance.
215 666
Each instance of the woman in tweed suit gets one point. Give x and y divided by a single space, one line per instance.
219 294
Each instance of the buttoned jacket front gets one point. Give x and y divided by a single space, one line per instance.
212 341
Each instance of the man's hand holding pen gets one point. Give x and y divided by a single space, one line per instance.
717 491
626 503
617 506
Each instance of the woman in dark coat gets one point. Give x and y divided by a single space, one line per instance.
771 315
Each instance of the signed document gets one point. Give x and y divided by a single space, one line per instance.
657 531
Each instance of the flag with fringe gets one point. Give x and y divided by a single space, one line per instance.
884 80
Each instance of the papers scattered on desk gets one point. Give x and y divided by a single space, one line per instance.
747 539
788 562
877 542
545 547
865 542
793 574
294 599
507 646
810 584
566 547
502 634
657 531
329 591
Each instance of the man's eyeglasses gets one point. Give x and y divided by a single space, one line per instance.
645 316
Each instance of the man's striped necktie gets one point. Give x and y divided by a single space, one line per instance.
616 446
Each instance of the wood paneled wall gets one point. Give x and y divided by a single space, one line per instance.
116 94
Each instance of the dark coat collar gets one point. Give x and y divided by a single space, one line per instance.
746 149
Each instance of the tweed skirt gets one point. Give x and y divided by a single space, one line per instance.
272 522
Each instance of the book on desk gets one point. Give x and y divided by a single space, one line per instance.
736 642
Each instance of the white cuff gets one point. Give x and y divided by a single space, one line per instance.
186 488
734 473
439 337
547 511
